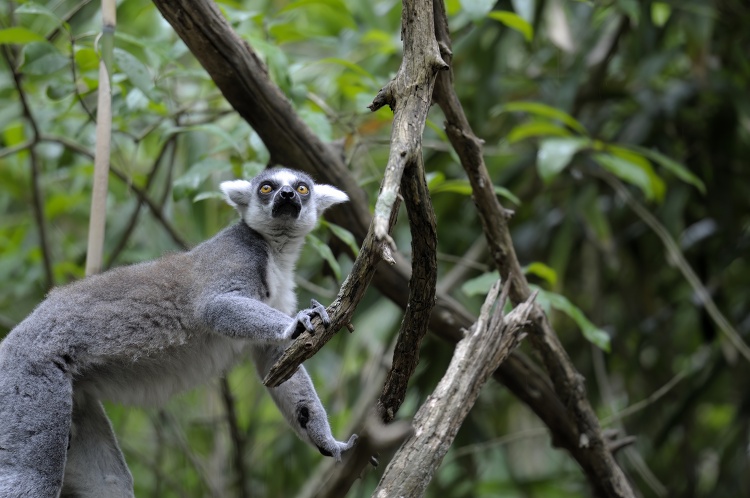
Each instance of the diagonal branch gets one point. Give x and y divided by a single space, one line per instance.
486 345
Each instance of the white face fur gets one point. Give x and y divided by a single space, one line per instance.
281 202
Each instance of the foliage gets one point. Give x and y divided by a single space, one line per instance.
566 95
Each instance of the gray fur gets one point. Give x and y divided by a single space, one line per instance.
140 334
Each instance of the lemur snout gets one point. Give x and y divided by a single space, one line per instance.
286 203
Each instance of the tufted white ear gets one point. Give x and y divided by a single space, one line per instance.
326 196
238 192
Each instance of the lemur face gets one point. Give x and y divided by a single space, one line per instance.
281 201
284 191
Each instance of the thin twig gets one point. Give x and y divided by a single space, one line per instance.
674 254
238 438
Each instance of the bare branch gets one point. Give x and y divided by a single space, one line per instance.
409 95
436 423
422 285
238 439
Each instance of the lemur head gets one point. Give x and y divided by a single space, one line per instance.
281 201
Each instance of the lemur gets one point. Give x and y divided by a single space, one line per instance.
140 334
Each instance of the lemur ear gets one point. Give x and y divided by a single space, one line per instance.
326 196
237 192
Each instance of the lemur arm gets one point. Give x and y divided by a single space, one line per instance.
238 316
300 405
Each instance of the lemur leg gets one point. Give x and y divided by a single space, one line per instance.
300 405
35 410
95 466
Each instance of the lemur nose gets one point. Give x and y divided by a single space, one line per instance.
286 192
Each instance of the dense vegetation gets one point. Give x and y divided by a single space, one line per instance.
617 131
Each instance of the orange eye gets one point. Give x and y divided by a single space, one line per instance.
265 188
302 189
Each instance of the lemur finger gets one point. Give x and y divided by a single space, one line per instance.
349 444
321 311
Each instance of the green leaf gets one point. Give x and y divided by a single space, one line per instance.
344 235
325 252
660 12
638 173
87 59
542 271
318 123
208 195
36 9
480 286
513 21
672 166
356 68
555 154
591 332
18 36
546 111
136 72
43 59
536 129
477 9
187 184
207 128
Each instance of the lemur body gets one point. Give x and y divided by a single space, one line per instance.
142 333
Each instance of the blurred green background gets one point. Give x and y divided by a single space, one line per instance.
569 96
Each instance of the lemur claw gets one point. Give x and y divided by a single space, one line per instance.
303 322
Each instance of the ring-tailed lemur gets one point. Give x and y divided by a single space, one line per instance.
139 334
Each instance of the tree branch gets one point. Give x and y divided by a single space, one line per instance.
422 286
436 423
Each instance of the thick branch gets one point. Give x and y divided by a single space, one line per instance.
436 423
409 95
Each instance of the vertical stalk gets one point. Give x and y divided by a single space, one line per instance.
98 217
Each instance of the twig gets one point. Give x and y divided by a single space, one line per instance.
238 438
409 95
136 211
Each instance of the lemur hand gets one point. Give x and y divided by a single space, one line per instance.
336 449
302 322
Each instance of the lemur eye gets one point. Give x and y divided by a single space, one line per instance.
265 188
302 189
